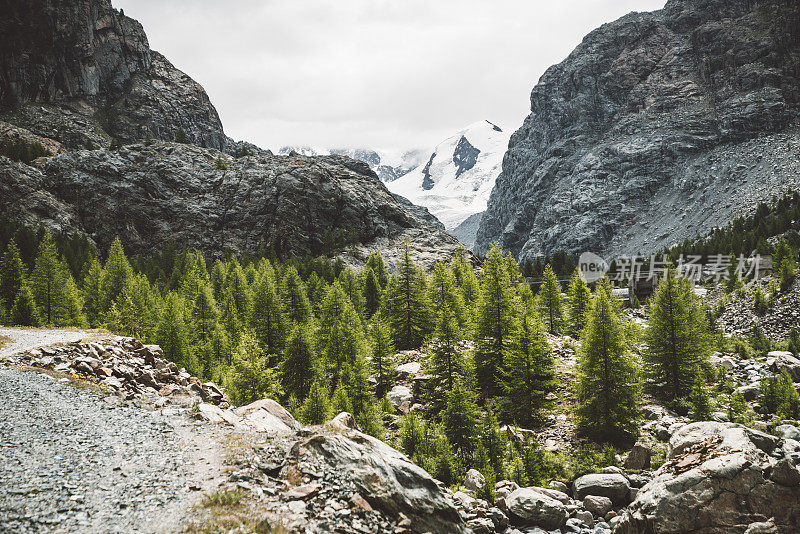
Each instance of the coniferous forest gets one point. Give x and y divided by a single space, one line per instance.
322 337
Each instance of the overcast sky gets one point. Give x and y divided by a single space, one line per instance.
391 74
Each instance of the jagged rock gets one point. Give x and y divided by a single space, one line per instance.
788 432
268 416
386 478
597 505
716 480
529 507
785 361
474 480
786 473
657 127
639 457
481 525
612 485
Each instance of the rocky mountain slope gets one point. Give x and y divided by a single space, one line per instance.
659 126
77 77
459 174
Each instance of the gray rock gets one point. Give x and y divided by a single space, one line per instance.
788 432
639 457
529 507
716 480
398 395
481 525
474 480
597 505
786 361
620 152
612 485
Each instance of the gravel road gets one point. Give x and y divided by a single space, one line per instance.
75 460
29 338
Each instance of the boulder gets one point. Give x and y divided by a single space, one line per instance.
785 361
399 395
788 431
385 477
343 421
268 416
529 507
408 369
474 480
639 457
717 479
598 505
612 485
215 414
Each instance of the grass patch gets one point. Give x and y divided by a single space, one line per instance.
224 498
4 340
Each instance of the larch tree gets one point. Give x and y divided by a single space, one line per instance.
172 334
116 274
12 275
24 312
460 420
382 352
549 300
266 319
299 368
375 262
676 340
498 309
373 292
608 389
341 337
445 295
53 287
405 305
446 364
580 299
531 373
91 289
250 377
296 306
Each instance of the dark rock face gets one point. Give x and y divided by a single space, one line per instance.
657 127
427 182
465 156
170 192
94 70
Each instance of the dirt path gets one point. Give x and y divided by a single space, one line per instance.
79 460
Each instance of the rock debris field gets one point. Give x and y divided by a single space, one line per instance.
78 461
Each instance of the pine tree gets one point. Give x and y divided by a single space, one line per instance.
496 444
341 337
205 313
677 339
446 365
531 373
372 292
12 275
237 286
180 136
316 408
376 264
24 312
348 281
299 368
608 388
579 300
230 319
549 300
116 274
296 306
92 291
405 306
465 278
382 351
53 288
460 422
495 324
172 334
266 320
250 378
446 296
700 403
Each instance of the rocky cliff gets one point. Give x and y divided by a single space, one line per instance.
659 126
82 72
78 74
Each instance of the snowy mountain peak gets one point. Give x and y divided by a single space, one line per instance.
460 173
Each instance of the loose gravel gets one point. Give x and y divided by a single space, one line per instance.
79 460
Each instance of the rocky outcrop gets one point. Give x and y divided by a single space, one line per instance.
128 368
720 478
154 194
659 126
81 72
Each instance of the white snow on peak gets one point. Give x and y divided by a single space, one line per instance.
459 174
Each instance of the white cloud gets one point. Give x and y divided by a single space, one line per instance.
369 73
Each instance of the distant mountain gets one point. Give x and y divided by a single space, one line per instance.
388 165
458 176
